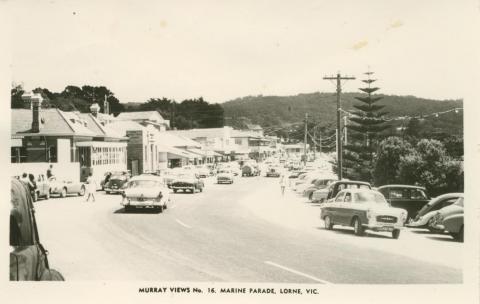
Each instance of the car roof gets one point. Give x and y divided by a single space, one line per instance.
147 177
351 182
358 190
401 186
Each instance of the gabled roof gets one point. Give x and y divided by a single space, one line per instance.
173 140
94 125
124 126
203 133
144 115
52 122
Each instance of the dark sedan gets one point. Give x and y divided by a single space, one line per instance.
410 198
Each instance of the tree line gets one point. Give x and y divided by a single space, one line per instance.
189 113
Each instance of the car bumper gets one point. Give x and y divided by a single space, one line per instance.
224 181
182 187
376 226
142 204
113 190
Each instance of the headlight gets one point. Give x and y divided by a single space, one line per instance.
159 197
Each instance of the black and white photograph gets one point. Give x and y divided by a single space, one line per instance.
307 151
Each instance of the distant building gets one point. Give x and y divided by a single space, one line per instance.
146 118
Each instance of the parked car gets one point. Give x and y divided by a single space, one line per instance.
424 217
187 182
450 217
28 257
116 183
316 185
329 193
273 171
43 188
250 169
109 174
146 192
296 174
203 171
363 209
63 188
225 176
410 198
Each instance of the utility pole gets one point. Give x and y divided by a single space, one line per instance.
339 79
314 142
320 141
305 141
345 120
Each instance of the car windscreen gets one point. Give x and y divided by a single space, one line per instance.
144 184
118 177
369 197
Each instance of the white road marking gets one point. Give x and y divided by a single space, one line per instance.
298 272
182 223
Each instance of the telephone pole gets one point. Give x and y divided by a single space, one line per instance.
339 79
305 141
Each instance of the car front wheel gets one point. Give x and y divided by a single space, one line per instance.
82 191
396 233
357 226
328 223
63 193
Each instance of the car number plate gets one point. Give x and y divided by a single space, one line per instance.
385 229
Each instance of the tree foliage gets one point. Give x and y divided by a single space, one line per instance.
389 153
368 123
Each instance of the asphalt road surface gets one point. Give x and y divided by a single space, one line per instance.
244 232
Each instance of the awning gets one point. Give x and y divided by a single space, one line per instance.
175 153
197 151
101 144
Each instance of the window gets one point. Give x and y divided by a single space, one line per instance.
238 141
339 197
18 154
348 197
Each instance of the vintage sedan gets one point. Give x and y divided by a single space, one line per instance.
146 192
116 183
65 187
225 176
273 171
363 209
318 184
28 257
410 198
329 193
187 181
454 213
424 218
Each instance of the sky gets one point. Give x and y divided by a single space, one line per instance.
222 50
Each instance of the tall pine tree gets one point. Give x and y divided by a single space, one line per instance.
366 124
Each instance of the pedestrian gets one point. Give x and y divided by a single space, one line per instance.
50 171
283 182
91 187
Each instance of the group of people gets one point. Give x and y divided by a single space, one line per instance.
29 180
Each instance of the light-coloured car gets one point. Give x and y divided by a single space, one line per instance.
65 187
146 192
225 176
363 209
187 181
444 214
424 218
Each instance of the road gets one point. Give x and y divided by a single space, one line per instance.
244 232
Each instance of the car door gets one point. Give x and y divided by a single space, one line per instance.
344 208
335 207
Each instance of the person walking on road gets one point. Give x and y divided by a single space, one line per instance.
91 187
283 182
50 171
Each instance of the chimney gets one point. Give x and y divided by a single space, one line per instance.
94 108
35 101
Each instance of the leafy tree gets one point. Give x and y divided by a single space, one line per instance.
430 166
390 151
368 122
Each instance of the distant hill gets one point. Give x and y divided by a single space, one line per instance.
271 111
